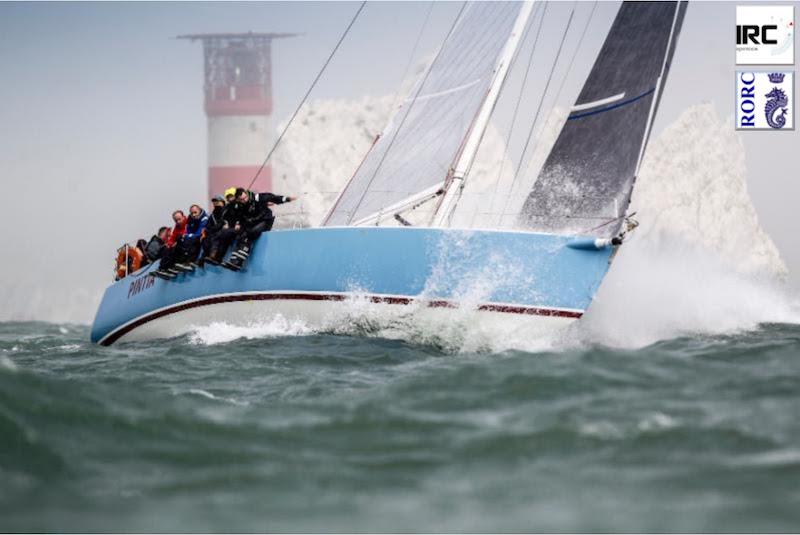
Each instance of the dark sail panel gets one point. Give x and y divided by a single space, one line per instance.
585 184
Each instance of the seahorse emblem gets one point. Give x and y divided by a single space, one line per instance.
776 108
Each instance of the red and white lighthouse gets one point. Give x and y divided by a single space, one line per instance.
238 104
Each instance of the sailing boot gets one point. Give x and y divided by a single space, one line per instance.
162 275
234 263
242 253
212 257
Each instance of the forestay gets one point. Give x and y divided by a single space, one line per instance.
586 181
416 150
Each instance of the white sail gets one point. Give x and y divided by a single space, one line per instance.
416 151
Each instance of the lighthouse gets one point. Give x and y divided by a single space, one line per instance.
238 105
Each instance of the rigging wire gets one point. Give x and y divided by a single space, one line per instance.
395 101
567 71
575 52
405 116
413 54
539 108
517 104
305 97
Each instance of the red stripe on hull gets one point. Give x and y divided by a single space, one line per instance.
221 178
509 309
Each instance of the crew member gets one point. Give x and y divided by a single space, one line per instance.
256 217
141 245
170 254
215 224
224 237
189 244
155 247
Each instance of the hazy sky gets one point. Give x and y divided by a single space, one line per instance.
102 130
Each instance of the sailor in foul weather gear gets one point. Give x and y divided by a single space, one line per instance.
256 217
223 238
155 247
166 268
215 224
189 244
141 245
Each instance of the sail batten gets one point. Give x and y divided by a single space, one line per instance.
588 176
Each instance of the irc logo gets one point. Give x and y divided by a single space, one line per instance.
764 100
764 35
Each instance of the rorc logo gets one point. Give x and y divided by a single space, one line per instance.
764 100
764 35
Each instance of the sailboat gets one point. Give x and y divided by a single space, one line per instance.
392 239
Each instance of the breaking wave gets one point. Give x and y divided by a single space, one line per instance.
222 332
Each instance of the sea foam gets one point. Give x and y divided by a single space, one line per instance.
222 332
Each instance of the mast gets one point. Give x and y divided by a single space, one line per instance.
455 180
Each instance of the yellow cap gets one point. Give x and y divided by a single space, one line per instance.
230 191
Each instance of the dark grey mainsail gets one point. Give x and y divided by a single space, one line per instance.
586 182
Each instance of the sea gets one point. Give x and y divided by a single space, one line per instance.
256 430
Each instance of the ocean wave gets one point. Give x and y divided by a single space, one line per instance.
222 332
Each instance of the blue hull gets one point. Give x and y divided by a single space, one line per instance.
514 272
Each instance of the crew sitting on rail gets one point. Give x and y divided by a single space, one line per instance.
141 246
169 257
189 244
155 247
255 218
216 223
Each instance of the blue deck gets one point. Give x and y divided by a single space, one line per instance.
518 268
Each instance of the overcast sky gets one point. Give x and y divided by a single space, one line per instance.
103 132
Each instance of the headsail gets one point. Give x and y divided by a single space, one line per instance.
586 182
416 151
